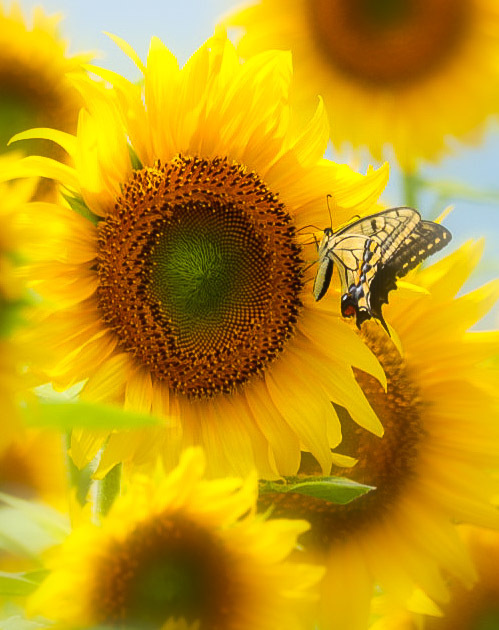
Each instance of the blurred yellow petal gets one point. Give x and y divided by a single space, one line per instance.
207 532
385 72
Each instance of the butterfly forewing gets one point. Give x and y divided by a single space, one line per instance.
388 228
426 239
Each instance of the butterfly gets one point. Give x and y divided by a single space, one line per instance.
371 254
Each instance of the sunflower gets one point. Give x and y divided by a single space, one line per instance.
386 69
12 240
476 608
431 468
34 89
177 280
182 550
31 462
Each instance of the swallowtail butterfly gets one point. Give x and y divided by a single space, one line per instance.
371 254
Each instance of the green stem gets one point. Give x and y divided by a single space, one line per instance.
411 189
108 489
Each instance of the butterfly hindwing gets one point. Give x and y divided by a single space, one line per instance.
371 254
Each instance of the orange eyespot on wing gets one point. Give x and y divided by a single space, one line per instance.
349 311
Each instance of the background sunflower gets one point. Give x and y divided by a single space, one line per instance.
34 88
12 300
433 466
385 69
179 548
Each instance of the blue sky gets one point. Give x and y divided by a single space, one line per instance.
185 25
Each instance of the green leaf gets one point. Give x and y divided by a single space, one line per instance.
332 489
36 576
66 415
134 159
108 489
32 526
78 205
10 316
20 584
17 622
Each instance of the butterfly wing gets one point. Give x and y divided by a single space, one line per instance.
425 239
372 252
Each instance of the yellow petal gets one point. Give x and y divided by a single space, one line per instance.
35 166
108 380
65 140
138 393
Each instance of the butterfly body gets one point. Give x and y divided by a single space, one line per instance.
371 254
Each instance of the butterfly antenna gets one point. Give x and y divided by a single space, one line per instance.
310 242
329 210
317 229
308 266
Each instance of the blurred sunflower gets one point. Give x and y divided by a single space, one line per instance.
31 462
386 68
181 552
177 280
431 468
476 608
34 89
12 240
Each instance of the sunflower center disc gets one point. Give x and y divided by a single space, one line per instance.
388 41
169 568
200 275
386 463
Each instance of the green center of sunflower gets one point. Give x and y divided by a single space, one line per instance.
200 274
474 609
199 271
206 265
387 463
488 620
15 115
168 568
387 42
385 13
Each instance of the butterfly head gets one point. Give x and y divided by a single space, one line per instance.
325 244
